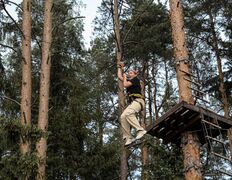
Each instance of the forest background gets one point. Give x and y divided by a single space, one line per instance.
83 123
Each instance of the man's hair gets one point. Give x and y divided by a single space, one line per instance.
134 70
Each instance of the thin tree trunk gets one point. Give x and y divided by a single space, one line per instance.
123 157
99 115
26 74
149 101
221 77
41 145
219 64
144 149
154 72
166 99
190 144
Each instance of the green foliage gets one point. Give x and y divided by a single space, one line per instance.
12 163
16 166
201 44
101 162
16 130
165 158
150 34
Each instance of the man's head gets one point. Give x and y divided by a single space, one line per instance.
132 73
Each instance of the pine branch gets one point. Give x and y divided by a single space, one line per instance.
8 98
15 4
4 8
4 45
69 19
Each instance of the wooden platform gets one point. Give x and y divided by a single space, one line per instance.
185 117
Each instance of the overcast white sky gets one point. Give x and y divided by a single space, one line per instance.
89 12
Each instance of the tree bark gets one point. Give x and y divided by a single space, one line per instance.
190 146
180 49
123 157
41 145
26 75
190 143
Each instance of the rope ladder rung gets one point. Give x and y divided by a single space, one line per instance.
188 73
194 89
221 156
189 80
214 139
224 172
200 98
212 124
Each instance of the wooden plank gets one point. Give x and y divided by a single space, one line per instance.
221 156
161 129
169 132
174 121
193 115
178 110
165 119
180 118
181 124
170 112
181 129
214 139
182 114
208 113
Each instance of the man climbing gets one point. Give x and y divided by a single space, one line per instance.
136 104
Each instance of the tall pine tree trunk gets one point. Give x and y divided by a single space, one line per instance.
189 141
41 145
26 74
123 157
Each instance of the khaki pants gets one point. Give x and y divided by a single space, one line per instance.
128 118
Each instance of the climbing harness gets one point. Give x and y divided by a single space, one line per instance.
136 95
